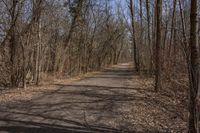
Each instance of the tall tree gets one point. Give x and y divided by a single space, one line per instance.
135 49
141 23
149 34
172 26
195 64
37 6
158 43
13 42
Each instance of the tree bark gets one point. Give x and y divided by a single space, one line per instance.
13 43
37 13
135 50
158 43
194 58
39 52
149 34
172 27
141 27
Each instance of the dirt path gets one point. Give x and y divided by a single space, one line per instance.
106 102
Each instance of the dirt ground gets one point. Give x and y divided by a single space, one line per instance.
117 100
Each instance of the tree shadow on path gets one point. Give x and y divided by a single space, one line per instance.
81 107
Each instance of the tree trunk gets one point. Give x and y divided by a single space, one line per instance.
37 13
149 37
135 50
13 43
158 43
141 27
194 59
38 52
172 27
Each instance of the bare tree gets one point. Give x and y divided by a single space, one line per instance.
148 32
13 42
158 43
37 5
172 26
195 65
135 49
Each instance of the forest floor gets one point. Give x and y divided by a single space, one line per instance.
117 100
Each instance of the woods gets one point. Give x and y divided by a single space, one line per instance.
45 39
49 37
